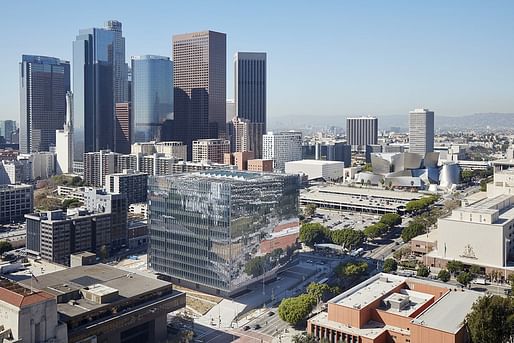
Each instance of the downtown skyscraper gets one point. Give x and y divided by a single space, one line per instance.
152 96
250 92
44 82
199 83
421 131
97 85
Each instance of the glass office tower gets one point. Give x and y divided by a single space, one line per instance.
44 82
207 228
152 96
99 82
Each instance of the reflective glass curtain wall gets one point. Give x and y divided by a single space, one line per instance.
204 228
152 96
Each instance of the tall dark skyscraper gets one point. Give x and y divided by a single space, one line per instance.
199 83
120 73
250 93
152 96
44 82
250 86
99 81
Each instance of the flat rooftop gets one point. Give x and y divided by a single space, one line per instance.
368 291
315 162
129 285
449 311
369 192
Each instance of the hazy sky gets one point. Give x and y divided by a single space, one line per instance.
324 57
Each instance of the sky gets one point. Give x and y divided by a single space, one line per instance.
325 58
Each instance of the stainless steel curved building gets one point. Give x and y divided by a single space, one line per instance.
450 175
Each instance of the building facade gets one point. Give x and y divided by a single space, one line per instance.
15 202
122 132
391 308
421 131
361 131
282 147
199 83
116 205
55 235
29 316
152 96
99 82
44 82
211 150
205 227
250 86
64 141
246 136
131 183
177 150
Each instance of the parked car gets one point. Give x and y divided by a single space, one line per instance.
246 328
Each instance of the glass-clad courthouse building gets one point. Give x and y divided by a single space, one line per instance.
205 227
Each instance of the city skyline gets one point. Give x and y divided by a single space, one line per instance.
449 63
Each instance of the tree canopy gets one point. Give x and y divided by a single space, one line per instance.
5 247
294 310
491 320
349 238
454 266
312 233
423 271
390 265
464 278
420 204
351 269
444 275
412 230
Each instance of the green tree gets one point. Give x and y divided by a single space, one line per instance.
390 265
348 238
312 233
255 266
103 252
351 269
464 278
321 291
474 270
300 338
454 266
391 219
372 231
294 310
412 230
466 176
5 247
423 271
444 275
491 320
309 210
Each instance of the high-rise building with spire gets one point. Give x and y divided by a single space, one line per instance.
64 140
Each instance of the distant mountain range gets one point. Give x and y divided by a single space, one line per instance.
477 121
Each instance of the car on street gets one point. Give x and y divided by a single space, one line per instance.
270 313
256 326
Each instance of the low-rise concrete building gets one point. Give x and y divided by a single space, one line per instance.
391 308
29 316
365 199
15 202
316 169
99 303
479 234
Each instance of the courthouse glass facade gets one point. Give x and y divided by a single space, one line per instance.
204 227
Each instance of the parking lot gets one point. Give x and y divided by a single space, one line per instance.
336 220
